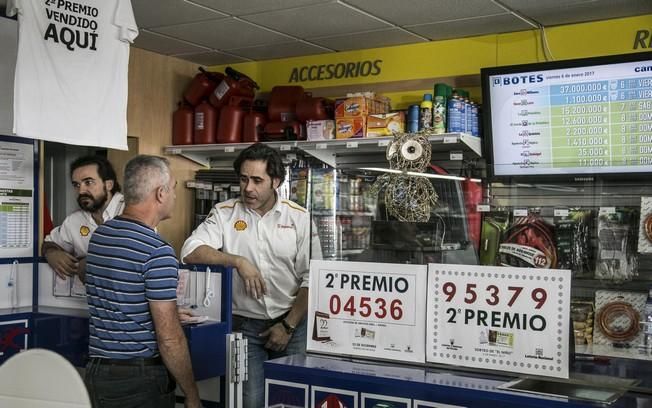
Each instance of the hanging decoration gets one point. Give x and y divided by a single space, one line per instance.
408 196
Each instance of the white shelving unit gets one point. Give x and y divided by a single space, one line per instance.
329 150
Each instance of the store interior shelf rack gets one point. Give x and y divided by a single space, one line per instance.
328 151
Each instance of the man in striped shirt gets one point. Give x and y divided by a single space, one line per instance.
137 346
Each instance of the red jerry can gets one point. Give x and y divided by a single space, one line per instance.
309 108
234 84
253 127
284 131
201 86
283 103
205 124
182 125
231 119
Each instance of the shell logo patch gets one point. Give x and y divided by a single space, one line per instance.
240 225
84 231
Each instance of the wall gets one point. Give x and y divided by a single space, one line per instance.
156 83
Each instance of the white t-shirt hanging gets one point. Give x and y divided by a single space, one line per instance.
72 70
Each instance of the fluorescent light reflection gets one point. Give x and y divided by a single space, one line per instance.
417 174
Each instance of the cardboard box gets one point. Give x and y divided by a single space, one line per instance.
348 128
320 129
356 106
385 124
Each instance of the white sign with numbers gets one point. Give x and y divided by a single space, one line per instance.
499 318
372 310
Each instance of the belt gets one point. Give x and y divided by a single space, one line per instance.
127 362
270 322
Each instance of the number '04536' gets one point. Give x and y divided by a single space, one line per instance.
366 306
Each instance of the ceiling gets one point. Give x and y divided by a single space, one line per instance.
214 32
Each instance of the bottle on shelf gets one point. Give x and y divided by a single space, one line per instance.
455 114
439 108
412 119
425 112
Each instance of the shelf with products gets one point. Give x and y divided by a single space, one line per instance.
328 150
594 227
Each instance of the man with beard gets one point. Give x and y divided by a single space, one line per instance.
99 199
267 239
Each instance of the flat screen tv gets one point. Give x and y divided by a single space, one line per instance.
569 119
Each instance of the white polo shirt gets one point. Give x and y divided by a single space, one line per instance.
75 232
277 243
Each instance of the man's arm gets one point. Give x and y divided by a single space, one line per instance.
277 337
253 280
174 348
63 263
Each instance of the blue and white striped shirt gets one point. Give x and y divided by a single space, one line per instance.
127 266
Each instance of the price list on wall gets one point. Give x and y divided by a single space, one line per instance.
595 119
15 224
16 199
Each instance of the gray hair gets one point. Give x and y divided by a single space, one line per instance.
144 174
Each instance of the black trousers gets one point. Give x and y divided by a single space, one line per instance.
137 384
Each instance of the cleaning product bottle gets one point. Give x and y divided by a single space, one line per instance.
412 119
439 109
455 115
425 113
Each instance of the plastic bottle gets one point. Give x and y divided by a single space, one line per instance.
439 109
413 119
468 120
456 118
475 123
425 113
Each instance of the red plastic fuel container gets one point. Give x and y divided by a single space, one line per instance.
182 125
234 84
205 124
283 103
231 120
253 127
201 86
314 108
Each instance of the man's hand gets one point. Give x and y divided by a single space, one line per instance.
192 403
253 280
184 314
62 262
277 337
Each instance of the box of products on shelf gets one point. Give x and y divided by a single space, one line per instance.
320 130
361 104
346 128
385 124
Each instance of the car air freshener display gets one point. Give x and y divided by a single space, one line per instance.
572 240
494 225
616 258
529 243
